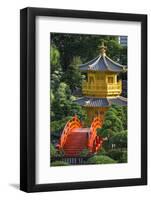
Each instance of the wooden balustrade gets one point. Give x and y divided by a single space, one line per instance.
100 88
94 141
70 125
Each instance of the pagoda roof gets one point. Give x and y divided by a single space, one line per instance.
101 102
103 63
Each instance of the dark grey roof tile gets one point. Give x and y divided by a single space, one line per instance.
100 102
102 63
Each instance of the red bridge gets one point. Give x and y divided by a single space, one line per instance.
74 139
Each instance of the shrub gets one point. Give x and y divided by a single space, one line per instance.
59 163
84 152
119 139
101 152
100 159
56 126
124 157
115 154
118 155
52 151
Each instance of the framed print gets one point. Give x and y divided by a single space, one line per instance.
83 99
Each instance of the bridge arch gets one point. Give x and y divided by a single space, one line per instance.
73 134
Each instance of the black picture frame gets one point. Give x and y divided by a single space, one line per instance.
28 98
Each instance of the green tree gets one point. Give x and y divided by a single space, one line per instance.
124 157
54 59
76 109
60 104
114 50
73 75
121 112
119 140
124 119
113 128
52 151
63 104
56 69
118 155
112 124
86 46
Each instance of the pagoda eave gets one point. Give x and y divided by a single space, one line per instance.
101 102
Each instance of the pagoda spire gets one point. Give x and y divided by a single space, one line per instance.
102 49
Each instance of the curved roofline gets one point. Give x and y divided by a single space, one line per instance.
106 63
99 57
101 101
115 62
87 63
103 63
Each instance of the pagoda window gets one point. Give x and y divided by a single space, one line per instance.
110 79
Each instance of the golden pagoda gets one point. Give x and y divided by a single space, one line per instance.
102 87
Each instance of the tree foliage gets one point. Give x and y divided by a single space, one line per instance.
56 69
59 163
114 132
52 151
112 124
119 139
63 104
84 152
86 47
73 76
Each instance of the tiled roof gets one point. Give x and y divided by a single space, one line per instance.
102 63
121 101
101 102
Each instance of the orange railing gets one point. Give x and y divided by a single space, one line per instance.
94 141
70 125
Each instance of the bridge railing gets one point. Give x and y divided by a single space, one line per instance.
94 141
70 125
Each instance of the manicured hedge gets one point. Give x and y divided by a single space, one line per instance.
100 160
59 163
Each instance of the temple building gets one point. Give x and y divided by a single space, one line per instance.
102 87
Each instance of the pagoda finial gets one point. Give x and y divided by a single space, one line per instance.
102 49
